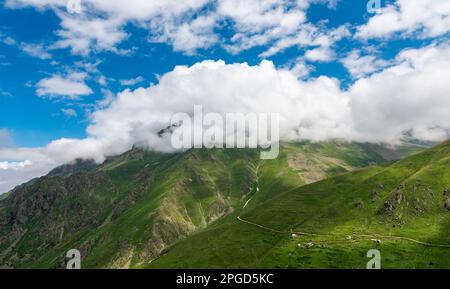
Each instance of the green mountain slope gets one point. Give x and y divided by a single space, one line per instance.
402 209
131 209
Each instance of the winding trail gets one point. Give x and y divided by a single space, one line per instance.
360 236
334 236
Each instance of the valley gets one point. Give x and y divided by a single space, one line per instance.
318 205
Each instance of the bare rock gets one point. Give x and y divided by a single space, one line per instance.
447 204
393 203
359 204
374 195
309 245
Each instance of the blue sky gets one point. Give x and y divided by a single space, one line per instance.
35 121
61 71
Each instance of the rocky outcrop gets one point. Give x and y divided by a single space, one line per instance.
375 192
393 202
51 208
447 204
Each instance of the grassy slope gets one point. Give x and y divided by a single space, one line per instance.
185 194
336 208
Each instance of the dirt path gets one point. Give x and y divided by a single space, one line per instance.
334 236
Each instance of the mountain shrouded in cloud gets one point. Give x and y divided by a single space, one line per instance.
409 96
137 133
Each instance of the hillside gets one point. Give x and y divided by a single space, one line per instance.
129 210
401 209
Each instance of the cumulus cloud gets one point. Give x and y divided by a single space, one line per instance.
321 54
411 96
423 18
408 97
361 65
299 67
188 36
223 88
71 86
82 34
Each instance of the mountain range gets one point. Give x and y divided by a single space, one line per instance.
318 205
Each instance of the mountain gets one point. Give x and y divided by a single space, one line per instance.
402 209
137 207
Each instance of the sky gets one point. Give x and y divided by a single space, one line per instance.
91 78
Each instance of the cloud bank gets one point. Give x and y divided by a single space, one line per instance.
411 96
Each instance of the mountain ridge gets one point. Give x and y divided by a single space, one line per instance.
129 209
399 209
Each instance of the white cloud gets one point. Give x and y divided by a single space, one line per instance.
222 88
131 81
32 49
321 54
187 25
424 18
83 34
309 35
108 98
101 25
8 40
187 37
91 69
69 112
410 96
300 68
102 80
136 116
35 50
258 22
72 86
361 65
15 166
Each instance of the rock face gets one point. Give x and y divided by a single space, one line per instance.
375 192
374 195
447 204
447 199
49 209
130 209
394 201
145 197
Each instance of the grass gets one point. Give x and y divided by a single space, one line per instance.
336 207
145 209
